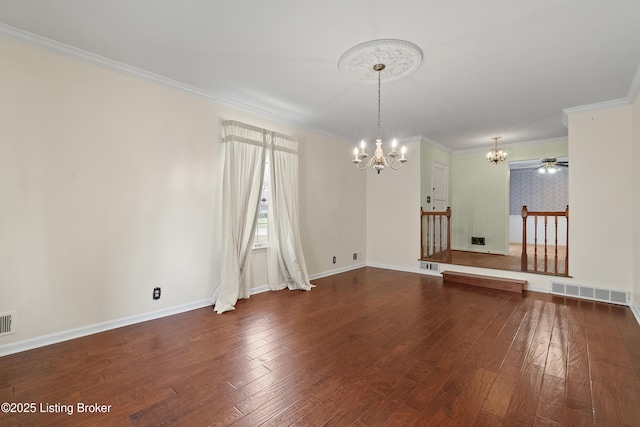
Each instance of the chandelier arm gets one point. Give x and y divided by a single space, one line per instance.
364 162
395 169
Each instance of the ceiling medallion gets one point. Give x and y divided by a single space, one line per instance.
375 61
400 58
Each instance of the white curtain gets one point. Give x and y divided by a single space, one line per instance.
286 267
246 148
245 151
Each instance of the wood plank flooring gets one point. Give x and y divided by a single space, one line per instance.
369 347
512 261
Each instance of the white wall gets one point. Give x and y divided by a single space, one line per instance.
601 203
332 205
393 214
636 205
108 189
110 186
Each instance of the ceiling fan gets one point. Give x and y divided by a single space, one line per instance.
551 165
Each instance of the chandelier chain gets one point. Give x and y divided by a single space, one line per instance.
379 131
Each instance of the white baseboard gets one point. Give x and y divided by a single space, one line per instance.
395 267
635 311
336 271
537 289
475 249
260 289
29 344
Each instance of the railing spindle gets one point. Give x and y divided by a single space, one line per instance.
556 258
535 243
431 233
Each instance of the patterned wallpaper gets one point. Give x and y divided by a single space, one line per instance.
540 192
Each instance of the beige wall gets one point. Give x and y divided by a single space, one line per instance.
636 203
393 212
110 186
108 189
600 198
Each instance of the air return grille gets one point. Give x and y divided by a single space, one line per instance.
589 292
431 266
6 324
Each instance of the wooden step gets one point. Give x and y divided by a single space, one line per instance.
500 283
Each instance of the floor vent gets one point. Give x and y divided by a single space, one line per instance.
431 266
589 292
6 324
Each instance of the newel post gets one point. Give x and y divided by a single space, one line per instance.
566 256
523 258
421 235
448 214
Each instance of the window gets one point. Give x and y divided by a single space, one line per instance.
262 228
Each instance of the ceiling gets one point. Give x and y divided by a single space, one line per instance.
496 67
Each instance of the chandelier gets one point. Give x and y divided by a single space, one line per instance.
379 160
397 58
496 156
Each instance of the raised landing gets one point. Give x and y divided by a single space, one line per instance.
499 283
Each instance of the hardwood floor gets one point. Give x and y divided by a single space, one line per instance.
367 347
512 261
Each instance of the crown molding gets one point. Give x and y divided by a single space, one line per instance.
632 94
437 145
621 102
44 43
513 144
634 89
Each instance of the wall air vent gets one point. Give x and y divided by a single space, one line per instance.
6 323
430 266
591 293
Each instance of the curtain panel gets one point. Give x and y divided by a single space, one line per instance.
285 261
246 148
245 151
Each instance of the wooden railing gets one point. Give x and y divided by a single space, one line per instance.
559 261
435 234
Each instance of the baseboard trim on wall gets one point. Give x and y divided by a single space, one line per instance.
635 311
336 271
397 268
260 289
537 289
30 344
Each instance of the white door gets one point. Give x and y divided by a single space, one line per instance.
440 186
440 201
